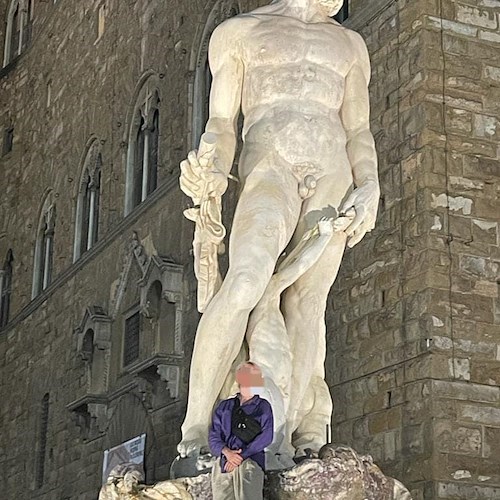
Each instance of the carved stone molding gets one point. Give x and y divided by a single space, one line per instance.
90 414
135 252
171 375
170 276
96 320
157 380
94 347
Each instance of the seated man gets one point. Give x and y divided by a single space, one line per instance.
241 428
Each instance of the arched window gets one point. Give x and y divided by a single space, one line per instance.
44 247
88 202
222 10
5 289
19 28
143 144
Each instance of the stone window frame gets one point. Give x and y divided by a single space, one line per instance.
94 347
169 276
143 134
44 246
6 288
24 10
222 10
88 201
93 338
131 313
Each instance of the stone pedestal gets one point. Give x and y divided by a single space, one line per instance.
338 474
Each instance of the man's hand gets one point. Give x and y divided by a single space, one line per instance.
200 178
364 200
229 467
233 457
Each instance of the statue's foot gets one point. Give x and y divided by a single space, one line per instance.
191 444
305 453
278 461
308 449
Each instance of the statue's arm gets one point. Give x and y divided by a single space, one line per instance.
360 146
225 95
355 114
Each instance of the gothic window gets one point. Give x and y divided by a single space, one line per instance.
222 10
343 13
5 289
142 158
88 202
19 29
131 342
44 246
42 441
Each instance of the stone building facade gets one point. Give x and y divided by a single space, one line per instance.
99 102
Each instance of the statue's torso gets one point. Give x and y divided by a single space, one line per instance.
293 86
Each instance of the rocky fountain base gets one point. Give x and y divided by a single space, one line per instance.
338 474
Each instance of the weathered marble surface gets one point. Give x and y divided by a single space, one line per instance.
338 474
308 159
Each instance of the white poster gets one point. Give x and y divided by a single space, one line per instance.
131 451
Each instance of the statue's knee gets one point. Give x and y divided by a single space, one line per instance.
246 288
305 301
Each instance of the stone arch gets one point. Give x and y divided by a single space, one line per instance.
142 134
88 199
219 12
44 243
18 28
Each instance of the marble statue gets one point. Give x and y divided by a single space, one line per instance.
309 188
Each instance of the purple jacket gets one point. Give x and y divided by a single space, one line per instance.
220 430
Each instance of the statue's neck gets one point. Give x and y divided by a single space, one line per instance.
308 11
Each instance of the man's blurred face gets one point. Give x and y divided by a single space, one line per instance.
331 7
249 376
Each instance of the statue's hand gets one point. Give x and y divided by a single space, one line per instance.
364 200
325 226
201 179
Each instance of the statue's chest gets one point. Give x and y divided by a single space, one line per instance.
282 43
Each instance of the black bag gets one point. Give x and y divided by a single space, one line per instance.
244 426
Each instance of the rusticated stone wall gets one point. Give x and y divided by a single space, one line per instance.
414 323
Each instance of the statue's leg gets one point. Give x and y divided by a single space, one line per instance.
265 218
304 305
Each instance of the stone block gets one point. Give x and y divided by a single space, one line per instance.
453 491
479 414
459 368
486 127
453 26
465 391
487 373
491 442
475 16
492 73
454 438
